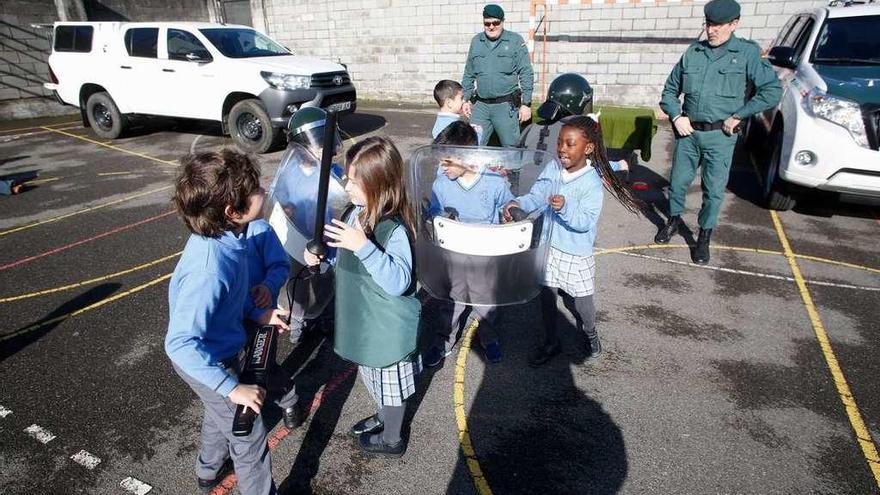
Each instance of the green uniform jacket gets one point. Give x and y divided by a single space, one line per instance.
498 70
715 84
373 328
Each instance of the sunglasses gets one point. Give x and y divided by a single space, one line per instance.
492 23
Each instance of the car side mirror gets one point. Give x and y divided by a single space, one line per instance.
782 56
198 57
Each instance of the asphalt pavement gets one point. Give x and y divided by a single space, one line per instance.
754 374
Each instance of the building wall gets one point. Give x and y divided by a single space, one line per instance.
24 49
398 50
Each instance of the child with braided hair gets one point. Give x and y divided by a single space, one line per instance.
571 268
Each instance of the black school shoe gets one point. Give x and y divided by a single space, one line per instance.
374 444
293 416
543 354
367 425
207 485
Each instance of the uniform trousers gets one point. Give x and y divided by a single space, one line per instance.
711 150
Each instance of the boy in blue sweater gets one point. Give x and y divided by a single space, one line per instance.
268 269
473 196
217 195
449 96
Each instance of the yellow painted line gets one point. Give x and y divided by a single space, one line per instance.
464 438
37 127
87 308
840 263
85 210
90 281
863 436
112 147
43 181
601 251
679 246
104 174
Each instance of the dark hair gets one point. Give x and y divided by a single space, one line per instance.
457 133
599 160
445 90
380 172
208 183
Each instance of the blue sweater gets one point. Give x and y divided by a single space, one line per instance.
477 203
207 298
575 226
443 121
268 263
391 268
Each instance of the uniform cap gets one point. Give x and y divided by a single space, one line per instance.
721 11
492 10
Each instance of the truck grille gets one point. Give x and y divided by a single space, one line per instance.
871 115
330 79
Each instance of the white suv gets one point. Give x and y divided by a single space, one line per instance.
226 73
825 132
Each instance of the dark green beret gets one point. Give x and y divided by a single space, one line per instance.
721 11
493 10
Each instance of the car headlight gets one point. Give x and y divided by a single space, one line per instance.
286 81
840 111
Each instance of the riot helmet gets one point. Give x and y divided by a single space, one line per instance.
306 128
569 94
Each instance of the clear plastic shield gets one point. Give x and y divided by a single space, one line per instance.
290 209
466 252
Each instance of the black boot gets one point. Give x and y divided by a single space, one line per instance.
700 254
668 230
592 346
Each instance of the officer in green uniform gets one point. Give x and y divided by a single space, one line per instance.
714 76
498 62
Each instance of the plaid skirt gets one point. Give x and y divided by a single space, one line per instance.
392 385
573 274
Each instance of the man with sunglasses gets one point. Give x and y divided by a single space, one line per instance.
715 76
498 62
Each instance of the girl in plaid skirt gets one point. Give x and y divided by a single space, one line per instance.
575 209
377 312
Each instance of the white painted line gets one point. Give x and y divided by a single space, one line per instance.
4 412
86 459
136 486
751 274
39 433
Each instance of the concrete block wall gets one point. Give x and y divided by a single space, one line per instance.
24 49
397 50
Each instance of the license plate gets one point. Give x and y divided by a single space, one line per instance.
338 107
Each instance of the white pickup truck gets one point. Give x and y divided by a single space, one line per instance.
225 73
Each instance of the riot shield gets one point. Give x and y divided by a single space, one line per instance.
290 209
465 251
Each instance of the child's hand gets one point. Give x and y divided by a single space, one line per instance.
250 396
506 211
345 236
262 296
311 259
557 201
276 317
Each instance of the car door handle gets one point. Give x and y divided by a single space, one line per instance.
125 67
167 70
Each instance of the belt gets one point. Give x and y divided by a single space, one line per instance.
707 126
501 99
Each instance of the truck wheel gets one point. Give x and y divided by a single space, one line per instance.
104 116
250 127
776 194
